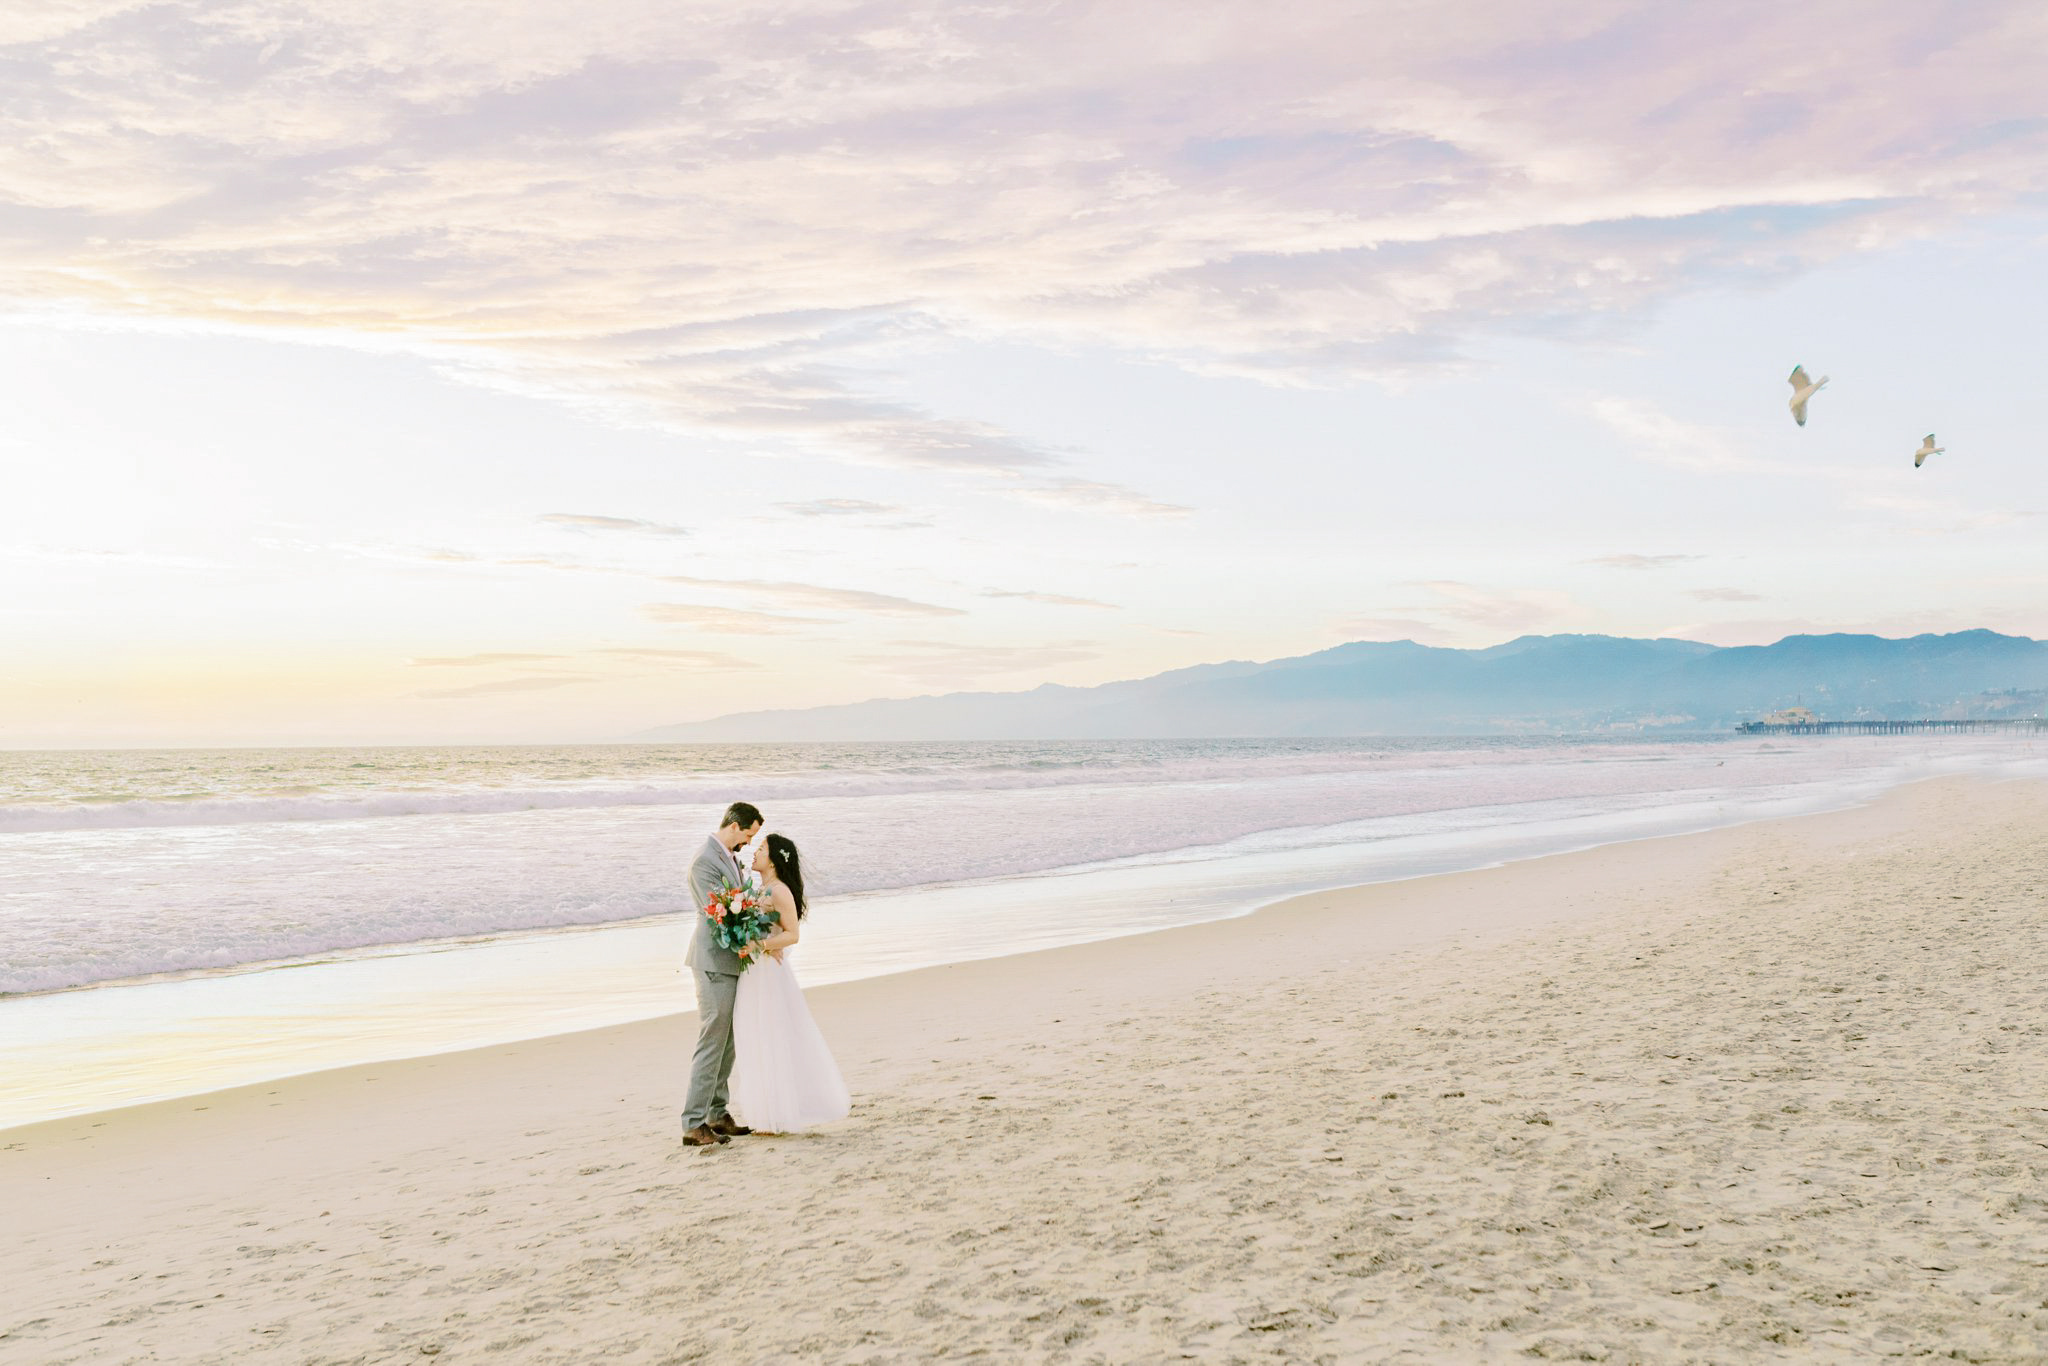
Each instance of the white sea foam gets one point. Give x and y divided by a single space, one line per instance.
409 846
249 795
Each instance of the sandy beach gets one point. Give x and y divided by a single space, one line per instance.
1773 1092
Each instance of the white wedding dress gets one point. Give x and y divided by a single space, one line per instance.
783 1077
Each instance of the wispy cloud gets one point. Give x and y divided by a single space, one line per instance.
1519 610
1643 561
819 598
504 685
1049 599
589 522
696 660
840 507
89 555
1392 628
1090 496
446 555
733 226
1455 612
552 562
951 663
859 511
705 660
1723 595
727 621
1927 515
479 660
1649 433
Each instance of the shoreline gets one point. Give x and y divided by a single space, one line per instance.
1721 1095
78 1053
294 909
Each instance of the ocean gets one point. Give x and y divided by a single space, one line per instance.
176 920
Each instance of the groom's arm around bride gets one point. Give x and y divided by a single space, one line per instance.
717 973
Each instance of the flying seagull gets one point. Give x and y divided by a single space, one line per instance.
1927 448
1802 390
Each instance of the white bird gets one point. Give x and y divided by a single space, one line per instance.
1802 390
1927 448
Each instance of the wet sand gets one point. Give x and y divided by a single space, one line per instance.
1767 1092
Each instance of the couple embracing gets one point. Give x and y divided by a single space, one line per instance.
758 1051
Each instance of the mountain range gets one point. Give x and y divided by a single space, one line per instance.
1534 684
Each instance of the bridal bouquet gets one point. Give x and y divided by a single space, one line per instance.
741 916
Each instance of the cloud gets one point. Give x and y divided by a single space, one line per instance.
127 559
948 663
868 513
1519 610
743 225
840 507
444 555
1090 496
1643 561
475 661
1925 515
1392 628
551 562
1650 434
1723 595
588 522
726 620
804 596
703 660
1049 599
1458 613
1653 435
817 597
503 685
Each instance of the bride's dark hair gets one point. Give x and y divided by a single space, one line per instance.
788 867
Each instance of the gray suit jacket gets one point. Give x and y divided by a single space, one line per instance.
713 868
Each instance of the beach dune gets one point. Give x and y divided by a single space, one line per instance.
1768 1092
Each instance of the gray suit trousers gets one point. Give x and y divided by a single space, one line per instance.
711 1065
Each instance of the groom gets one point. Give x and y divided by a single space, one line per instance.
717 969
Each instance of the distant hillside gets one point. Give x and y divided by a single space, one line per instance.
1562 683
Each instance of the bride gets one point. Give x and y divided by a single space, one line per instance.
783 1076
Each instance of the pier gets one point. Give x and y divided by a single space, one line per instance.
2028 725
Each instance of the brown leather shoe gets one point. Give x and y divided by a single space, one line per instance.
703 1136
728 1127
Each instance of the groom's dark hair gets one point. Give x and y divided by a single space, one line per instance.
742 814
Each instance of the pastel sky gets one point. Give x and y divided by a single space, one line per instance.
480 370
